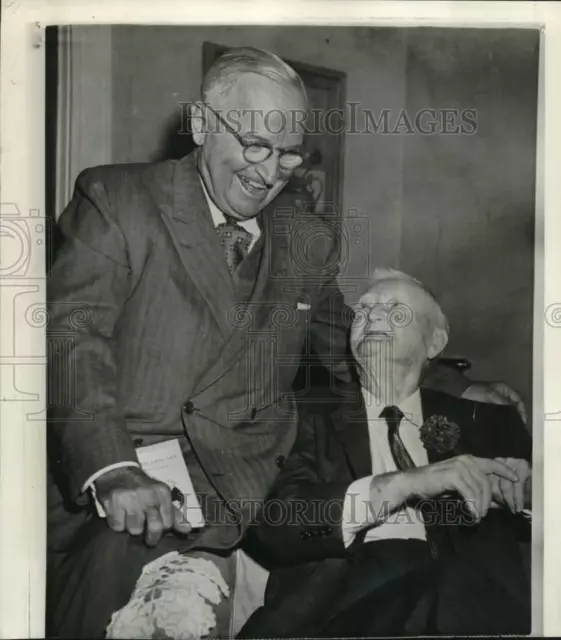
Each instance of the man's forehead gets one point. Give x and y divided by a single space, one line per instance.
253 92
390 289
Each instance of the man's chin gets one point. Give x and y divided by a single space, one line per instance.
242 209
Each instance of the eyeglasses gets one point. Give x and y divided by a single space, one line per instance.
255 152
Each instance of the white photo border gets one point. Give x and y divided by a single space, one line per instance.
22 204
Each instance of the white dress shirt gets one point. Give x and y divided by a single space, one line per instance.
218 217
406 522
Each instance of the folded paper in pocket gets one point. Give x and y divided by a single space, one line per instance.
164 461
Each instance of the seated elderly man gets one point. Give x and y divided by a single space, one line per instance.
400 510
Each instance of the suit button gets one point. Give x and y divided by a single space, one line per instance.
253 413
138 442
281 461
188 407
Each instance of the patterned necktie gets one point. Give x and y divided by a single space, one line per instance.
235 240
403 461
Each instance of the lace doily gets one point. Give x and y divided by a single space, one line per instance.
174 598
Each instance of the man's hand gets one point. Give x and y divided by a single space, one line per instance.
514 495
136 503
468 475
495 393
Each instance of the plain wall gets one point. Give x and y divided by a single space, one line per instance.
468 201
456 211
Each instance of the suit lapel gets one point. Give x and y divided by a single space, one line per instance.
349 421
435 403
269 257
194 237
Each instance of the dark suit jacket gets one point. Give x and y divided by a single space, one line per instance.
302 543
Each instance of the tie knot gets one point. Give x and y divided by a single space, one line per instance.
230 221
393 416
235 241
231 227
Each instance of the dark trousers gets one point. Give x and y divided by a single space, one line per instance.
92 572
389 590
97 574
395 588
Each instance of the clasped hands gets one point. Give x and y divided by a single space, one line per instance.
138 504
479 481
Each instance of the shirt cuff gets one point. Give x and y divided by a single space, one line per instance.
526 513
357 513
89 484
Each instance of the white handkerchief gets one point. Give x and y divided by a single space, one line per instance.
303 306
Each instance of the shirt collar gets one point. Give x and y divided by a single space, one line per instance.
218 217
410 406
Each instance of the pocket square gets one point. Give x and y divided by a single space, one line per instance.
303 306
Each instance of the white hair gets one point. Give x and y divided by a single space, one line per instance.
384 273
225 72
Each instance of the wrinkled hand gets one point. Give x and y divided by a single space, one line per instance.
512 494
495 393
466 474
137 503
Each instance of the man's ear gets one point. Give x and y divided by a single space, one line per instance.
198 122
438 342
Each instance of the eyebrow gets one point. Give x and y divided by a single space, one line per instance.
385 302
261 139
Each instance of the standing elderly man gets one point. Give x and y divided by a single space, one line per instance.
176 290
171 299
400 509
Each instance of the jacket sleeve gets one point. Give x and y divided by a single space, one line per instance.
89 282
503 432
329 331
331 319
301 518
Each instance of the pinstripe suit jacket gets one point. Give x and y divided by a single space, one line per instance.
151 338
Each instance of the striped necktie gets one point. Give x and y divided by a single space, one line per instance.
393 416
403 461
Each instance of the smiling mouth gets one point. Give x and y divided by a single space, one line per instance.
377 335
252 187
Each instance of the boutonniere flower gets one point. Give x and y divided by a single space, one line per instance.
440 435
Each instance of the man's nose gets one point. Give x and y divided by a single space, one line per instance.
268 170
379 320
